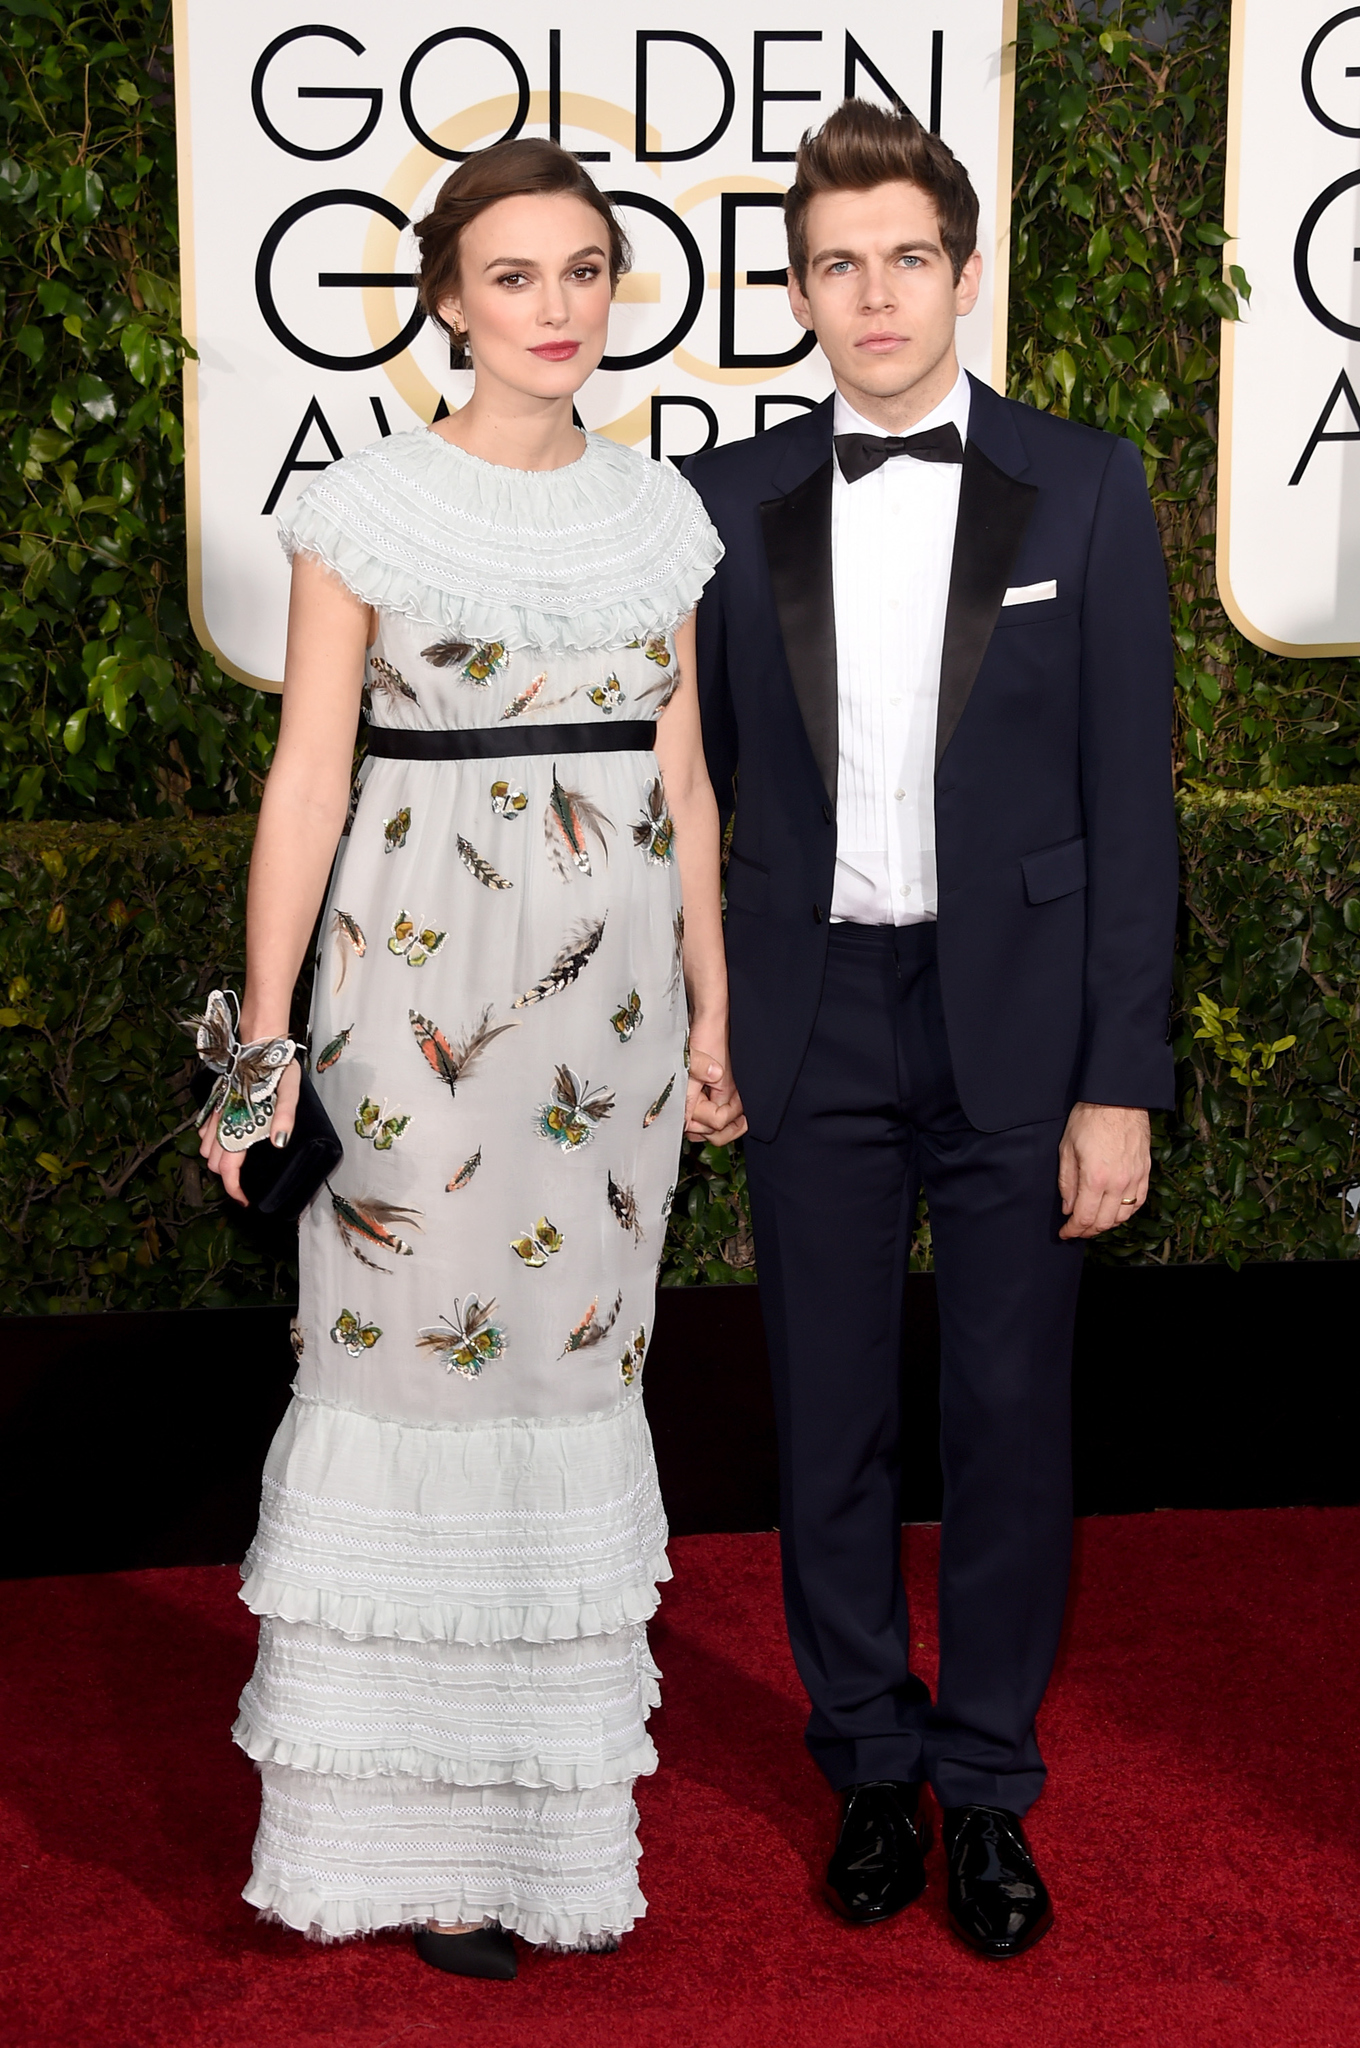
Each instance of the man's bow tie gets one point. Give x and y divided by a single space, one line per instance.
860 454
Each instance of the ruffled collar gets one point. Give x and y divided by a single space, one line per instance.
605 550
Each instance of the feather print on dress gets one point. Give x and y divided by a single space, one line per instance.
566 822
525 697
486 657
624 1204
677 976
590 1330
444 653
571 958
654 832
464 1173
390 682
662 1099
569 1119
450 1063
331 1051
347 934
481 870
366 1220
469 1340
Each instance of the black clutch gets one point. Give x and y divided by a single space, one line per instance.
280 1180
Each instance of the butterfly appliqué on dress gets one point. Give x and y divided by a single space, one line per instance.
570 1118
654 832
413 943
627 1017
371 1122
354 1335
469 1340
537 1245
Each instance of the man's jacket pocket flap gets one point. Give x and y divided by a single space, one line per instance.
1054 871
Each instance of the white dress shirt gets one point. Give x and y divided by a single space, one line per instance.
892 545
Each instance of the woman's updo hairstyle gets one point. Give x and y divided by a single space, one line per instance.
507 170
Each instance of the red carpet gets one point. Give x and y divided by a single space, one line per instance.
1201 1733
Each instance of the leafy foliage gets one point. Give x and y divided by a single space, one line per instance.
1265 1149
109 934
1117 293
107 704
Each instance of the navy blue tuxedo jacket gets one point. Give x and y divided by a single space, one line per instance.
1055 832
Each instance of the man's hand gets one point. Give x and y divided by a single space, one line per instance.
713 1111
1103 1165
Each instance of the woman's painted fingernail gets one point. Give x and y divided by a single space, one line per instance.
280 1138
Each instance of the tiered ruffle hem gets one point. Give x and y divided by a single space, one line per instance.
450 1702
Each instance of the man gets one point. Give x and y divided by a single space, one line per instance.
936 668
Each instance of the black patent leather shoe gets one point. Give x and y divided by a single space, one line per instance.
481 1952
879 1863
997 1899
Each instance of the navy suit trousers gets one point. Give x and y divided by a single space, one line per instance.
874 1118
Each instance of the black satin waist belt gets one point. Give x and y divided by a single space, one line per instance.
496 742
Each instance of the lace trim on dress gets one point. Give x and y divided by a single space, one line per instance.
570 1716
335 1858
558 1530
605 551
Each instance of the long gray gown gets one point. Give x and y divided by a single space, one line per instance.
461 1534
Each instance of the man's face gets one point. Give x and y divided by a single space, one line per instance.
880 290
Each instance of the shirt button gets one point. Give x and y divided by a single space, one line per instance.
899 794
894 700
904 890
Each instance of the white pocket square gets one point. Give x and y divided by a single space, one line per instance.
1030 593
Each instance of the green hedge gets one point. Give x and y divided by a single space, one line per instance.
108 708
110 933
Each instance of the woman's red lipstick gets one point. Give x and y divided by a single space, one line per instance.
556 351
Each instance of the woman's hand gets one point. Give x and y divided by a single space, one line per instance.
713 1112
227 1165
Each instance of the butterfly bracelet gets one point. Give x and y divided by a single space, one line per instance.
247 1076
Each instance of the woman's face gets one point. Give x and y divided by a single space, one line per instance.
533 293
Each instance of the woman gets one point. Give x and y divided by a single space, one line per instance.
461 1534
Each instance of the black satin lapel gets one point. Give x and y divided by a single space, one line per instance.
994 510
798 548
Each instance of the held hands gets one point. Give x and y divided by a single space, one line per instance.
713 1112
228 1164
1103 1165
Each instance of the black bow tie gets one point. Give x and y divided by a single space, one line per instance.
860 454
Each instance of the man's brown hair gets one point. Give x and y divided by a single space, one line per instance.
507 170
860 146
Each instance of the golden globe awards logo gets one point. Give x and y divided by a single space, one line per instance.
309 144
1289 489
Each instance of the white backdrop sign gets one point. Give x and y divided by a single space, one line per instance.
311 138
1289 485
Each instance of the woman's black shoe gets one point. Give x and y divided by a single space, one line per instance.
997 1900
879 1862
485 1952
